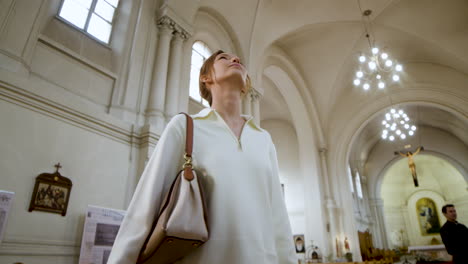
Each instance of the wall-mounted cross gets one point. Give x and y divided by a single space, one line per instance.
58 166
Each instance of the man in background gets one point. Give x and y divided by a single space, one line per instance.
454 235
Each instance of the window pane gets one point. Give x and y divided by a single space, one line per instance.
358 185
205 103
99 28
114 3
202 49
85 3
105 10
197 59
350 178
74 13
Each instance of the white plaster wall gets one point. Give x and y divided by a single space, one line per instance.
31 144
286 143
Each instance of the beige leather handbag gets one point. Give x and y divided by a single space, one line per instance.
181 225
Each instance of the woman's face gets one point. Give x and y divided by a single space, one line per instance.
228 67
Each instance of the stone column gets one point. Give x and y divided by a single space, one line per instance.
329 203
379 230
157 94
174 74
255 105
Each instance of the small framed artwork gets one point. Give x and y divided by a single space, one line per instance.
299 243
51 193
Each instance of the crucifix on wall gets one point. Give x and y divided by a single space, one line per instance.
411 164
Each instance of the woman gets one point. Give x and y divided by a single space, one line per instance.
237 162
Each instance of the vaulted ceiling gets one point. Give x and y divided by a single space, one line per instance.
323 37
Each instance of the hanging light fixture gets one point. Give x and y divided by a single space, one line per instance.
396 125
377 69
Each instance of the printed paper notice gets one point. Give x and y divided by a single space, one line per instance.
100 229
6 199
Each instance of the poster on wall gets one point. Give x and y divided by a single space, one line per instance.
99 232
6 200
428 217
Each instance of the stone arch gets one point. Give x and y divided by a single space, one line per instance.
281 72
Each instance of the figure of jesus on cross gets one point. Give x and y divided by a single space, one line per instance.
411 164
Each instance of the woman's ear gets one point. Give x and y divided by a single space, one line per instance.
205 79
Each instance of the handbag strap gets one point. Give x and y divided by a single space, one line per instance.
188 174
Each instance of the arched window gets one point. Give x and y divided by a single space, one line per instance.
358 185
93 17
350 178
200 52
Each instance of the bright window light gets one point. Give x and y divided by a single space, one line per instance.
91 16
200 52
350 178
358 185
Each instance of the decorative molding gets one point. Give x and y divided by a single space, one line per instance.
36 247
63 49
179 23
110 128
168 23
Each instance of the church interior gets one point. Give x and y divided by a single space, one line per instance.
366 102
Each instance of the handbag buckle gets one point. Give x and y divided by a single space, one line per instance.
188 161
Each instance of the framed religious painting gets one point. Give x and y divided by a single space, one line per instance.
51 193
428 217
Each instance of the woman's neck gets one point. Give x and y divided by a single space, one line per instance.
227 102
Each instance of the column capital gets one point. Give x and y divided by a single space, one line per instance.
323 151
165 22
180 32
254 95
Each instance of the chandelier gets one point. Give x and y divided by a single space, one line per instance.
396 125
376 68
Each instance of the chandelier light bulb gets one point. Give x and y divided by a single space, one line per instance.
395 126
377 68
357 82
406 119
366 86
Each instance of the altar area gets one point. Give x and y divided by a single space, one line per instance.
430 254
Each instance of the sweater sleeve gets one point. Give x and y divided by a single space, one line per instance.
283 235
155 181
